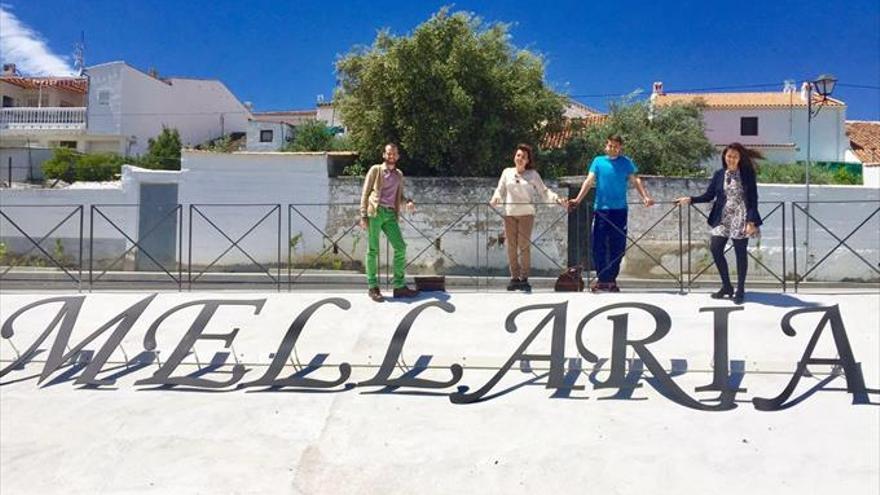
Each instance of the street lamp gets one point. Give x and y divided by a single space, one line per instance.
823 85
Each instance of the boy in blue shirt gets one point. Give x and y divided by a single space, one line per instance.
610 173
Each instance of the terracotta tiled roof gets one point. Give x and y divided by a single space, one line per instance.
864 138
78 85
553 140
290 117
777 99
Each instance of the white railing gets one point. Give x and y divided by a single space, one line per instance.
45 118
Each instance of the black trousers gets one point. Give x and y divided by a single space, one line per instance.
740 247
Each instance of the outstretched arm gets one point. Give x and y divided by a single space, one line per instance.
589 182
636 181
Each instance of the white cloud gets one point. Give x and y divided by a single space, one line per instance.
24 47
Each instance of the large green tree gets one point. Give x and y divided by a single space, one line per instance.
667 140
455 94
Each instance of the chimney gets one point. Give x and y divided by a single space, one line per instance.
9 70
788 86
658 88
805 88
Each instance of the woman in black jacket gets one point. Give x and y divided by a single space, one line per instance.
734 214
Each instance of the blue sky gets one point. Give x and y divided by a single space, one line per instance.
280 54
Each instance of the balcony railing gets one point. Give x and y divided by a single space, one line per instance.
43 118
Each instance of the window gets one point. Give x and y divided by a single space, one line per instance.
103 97
266 136
748 126
67 144
7 102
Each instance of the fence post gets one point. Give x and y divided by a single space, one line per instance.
794 244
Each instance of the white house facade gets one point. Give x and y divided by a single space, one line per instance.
774 123
115 108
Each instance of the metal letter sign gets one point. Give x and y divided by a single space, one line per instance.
624 375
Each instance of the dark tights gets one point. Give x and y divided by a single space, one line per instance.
742 263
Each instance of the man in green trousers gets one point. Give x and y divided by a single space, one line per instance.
381 201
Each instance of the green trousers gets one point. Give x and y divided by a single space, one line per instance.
385 221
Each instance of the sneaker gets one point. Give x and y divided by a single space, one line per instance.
375 295
514 284
403 292
524 285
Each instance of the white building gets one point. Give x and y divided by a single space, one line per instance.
115 107
270 131
774 123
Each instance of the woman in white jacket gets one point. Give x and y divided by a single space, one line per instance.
518 188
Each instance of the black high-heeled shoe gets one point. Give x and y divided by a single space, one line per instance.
738 297
722 293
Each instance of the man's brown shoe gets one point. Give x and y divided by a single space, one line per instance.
375 294
405 291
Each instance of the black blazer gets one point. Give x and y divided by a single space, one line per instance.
716 191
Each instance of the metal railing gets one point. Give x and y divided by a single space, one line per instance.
812 266
57 258
213 245
768 211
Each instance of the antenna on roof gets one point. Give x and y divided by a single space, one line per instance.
79 54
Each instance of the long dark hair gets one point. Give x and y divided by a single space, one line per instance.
527 150
747 158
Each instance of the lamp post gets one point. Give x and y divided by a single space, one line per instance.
823 85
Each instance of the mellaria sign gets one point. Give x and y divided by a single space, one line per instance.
90 363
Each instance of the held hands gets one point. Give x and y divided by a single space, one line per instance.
751 229
683 201
648 201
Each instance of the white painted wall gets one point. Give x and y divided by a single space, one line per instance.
37 211
105 99
781 126
266 179
871 176
281 133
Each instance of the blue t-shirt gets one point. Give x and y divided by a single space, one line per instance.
612 178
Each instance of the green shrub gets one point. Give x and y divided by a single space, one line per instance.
70 166
356 169
62 165
795 173
98 167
